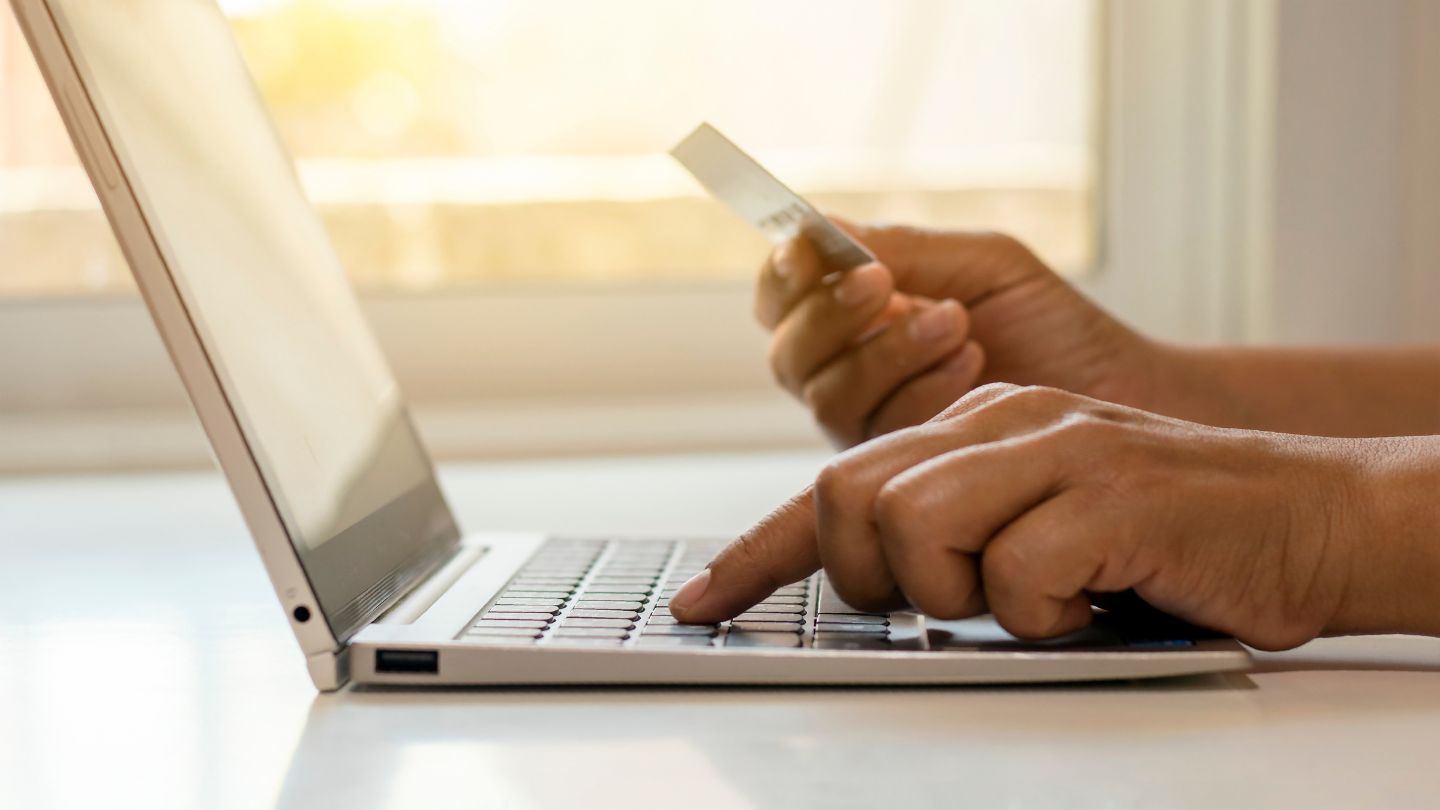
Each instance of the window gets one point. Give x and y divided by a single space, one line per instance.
452 143
495 174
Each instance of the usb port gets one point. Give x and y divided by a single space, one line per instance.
408 661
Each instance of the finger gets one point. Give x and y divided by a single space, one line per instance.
825 323
899 307
843 393
980 263
934 578
928 393
846 491
962 497
779 550
1037 569
934 518
790 271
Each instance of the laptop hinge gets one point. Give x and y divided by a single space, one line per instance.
428 592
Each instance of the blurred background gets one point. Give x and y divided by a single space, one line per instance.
546 280
454 143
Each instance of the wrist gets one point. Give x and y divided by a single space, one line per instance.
1154 376
1392 532
1190 383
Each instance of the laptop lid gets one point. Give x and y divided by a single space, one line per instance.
301 408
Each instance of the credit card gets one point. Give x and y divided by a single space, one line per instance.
737 180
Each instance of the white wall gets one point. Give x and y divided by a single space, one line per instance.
1357 171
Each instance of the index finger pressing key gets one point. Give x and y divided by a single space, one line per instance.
779 550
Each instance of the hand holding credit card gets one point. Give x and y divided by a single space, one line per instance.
753 193
864 356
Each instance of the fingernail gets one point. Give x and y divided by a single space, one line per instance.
933 324
690 592
859 285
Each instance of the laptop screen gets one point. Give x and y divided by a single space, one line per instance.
306 382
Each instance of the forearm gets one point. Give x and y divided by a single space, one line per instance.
1391 521
1322 392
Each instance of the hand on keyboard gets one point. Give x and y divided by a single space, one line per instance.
1025 501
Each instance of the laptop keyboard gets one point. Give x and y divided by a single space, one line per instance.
608 593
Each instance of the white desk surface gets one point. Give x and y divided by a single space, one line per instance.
144 663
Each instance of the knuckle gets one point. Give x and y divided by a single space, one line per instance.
1005 565
1008 247
992 390
777 359
836 486
943 603
900 510
866 596
1037 394
760 310
1035 401
1004 241
831 411
1093 433
977 397
1084 426
1023 622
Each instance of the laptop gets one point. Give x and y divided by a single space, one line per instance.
378 583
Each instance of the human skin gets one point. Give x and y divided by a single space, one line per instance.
1025 501
965 308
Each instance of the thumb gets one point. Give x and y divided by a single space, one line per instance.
779 550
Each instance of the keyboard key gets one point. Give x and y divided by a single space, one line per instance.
784 600
674 641
671 621
585 641
536 594
598 632
519 611
615 595
764 608
579 613
852 642
470 639
792 590
766 627
763 616
506 600
856 629
850 618
534 624
735 639
678 630
569 622
502 631
607 604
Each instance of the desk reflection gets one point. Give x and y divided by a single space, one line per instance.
729 747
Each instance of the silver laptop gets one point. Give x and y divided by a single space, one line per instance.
377 581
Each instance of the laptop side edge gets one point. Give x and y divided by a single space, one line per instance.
325 654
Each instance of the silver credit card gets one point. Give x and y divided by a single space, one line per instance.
758 198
